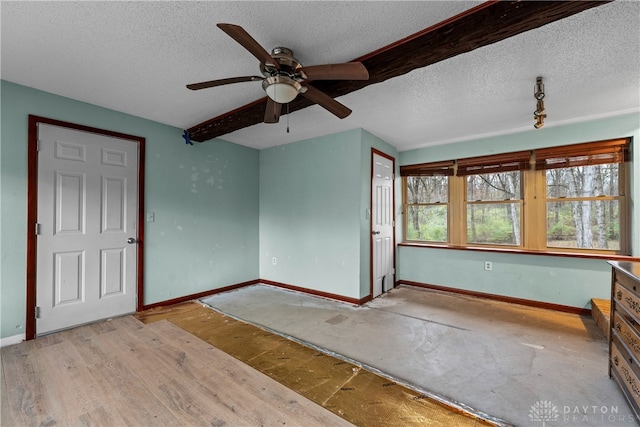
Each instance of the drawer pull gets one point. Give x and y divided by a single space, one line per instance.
615 360
618 327
619 294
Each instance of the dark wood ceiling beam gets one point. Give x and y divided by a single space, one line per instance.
483 25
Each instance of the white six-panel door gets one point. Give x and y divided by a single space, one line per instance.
382 224
87 213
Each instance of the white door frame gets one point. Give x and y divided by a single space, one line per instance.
32 212
393 210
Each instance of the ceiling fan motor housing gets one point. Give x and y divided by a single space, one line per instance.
282 85
288 64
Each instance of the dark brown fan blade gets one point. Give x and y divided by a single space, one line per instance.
272 112
220 82
346 71
238 33
325 101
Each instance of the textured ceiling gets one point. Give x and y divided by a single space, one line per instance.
136 57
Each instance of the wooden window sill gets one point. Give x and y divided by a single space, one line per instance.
522 251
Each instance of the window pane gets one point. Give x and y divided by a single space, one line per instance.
494 186
494 223
427 189
583 181
427 223
588 224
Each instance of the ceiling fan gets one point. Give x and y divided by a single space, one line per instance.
284 77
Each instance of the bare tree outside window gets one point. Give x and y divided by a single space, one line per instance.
493 208
426 209
583 210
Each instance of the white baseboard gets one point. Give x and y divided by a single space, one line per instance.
16 339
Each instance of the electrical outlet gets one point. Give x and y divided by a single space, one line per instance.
274 261
488 266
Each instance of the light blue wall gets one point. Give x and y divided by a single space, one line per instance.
310 213
205 200
559 280
223 211
566 281
315 197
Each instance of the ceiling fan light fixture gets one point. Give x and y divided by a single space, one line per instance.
281 89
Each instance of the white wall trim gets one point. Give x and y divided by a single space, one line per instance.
16 339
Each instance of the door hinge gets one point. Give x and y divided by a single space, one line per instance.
37 312
37 229
38 145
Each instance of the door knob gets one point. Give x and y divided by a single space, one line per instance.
131 240
375 232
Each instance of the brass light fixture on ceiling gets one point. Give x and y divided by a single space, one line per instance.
539 115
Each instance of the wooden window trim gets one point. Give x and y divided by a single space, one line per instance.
534 212
556 253
590 153
533 165
506 162
428 169
457 214
599 152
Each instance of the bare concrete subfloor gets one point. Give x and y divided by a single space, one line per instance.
524 365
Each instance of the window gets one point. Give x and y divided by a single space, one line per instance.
426 193
584 195
427 206
583 207
556 199
493 208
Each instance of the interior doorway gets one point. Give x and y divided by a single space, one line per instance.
85 222
382 223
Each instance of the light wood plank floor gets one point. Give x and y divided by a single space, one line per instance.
122 372
356 394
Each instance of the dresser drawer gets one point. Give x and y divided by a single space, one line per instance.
624 297
628 334
626 281
624 335
620 363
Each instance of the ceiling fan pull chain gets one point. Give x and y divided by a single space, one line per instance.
287 117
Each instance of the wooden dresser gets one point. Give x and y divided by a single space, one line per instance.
624 335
